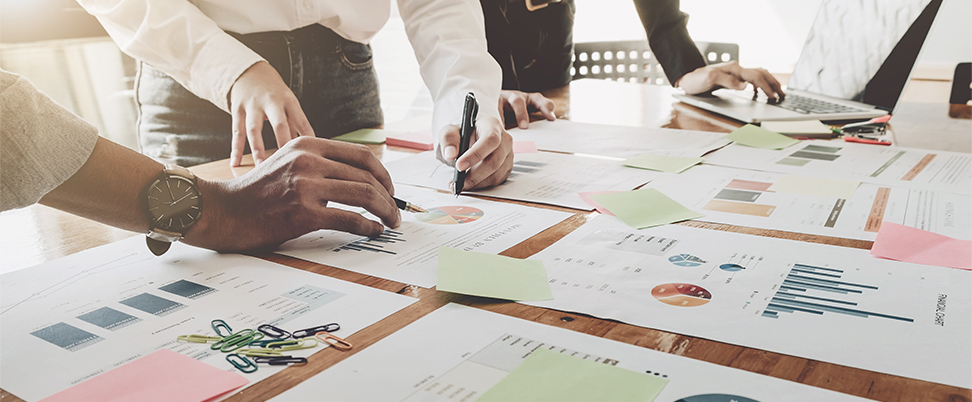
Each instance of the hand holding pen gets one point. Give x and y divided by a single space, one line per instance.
488 159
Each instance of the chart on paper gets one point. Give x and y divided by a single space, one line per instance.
732 288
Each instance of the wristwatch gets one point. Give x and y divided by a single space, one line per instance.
174 205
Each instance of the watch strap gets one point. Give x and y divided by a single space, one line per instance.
159 240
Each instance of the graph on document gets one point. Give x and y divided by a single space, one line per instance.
374 244
818 291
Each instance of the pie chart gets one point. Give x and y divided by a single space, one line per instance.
681 294
686 260
453 215
731 267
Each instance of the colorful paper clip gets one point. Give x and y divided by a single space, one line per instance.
294 345
303 333
263 343
237 340
273 332
219 325
334 341
195 338
259 352
242 363
281 360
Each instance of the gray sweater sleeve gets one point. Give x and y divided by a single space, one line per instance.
41 143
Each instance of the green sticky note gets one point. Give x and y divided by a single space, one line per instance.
644 208
551 376
758 137
490 275
671 164
364 136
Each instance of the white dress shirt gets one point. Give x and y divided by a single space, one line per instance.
187 41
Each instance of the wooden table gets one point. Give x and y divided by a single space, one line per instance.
43 234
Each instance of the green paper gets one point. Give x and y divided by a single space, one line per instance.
644 208
551 376
758 137
364 136
490 275
671 164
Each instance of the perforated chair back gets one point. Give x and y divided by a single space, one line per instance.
633 61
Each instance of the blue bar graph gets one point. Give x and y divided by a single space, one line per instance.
374 244
795 294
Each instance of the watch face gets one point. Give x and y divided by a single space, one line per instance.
174 203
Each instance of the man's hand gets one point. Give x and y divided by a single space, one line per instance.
489 159
522 103
287 196
730 75
259 95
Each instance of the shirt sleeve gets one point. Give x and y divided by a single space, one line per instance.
41 143
449 39
666 26
177 38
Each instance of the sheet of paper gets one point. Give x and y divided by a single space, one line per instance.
408 253
670 164
903 243
757 137
744 198
618 141
90 312
161 376
600 208
457 353
491 275
804 127
364 136
524 147
896 166
543 177
421 140
832 188
551 376
833 304
644 208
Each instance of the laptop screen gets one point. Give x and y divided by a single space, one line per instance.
864 50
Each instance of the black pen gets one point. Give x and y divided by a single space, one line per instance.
407 206
470 108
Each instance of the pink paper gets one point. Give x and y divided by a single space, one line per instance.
161 376
587 198
905 243
421 140
524 147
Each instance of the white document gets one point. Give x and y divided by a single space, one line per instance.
71 319
618 141
896 166
409 253
456 353
746 198
821 302
542 177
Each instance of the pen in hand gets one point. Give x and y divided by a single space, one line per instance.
470 109
407 206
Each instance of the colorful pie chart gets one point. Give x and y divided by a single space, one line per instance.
685 260
731 267
453 215
681 294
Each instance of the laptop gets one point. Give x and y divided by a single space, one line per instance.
855 64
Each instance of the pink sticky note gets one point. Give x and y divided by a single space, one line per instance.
905 243
587 198
161 376
421 140
524 147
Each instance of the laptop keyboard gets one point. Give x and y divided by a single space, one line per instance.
801 104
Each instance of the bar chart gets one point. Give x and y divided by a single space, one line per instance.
374 244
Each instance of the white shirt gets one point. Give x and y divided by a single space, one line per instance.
187 41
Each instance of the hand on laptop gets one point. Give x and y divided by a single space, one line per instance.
730 75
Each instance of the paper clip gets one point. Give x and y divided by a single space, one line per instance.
273 332
281 360
303 333
277 343
195 338
245 365
334 341
263 343
237 340
261 352
301 344
220 324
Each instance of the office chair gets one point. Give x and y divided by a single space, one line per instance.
633 61
959 102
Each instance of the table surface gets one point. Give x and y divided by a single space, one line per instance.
38 233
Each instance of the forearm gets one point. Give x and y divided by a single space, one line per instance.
666 27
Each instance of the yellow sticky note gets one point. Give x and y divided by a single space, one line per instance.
552 376
671 164
757 137
644 208
815 186
364 136
490 275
